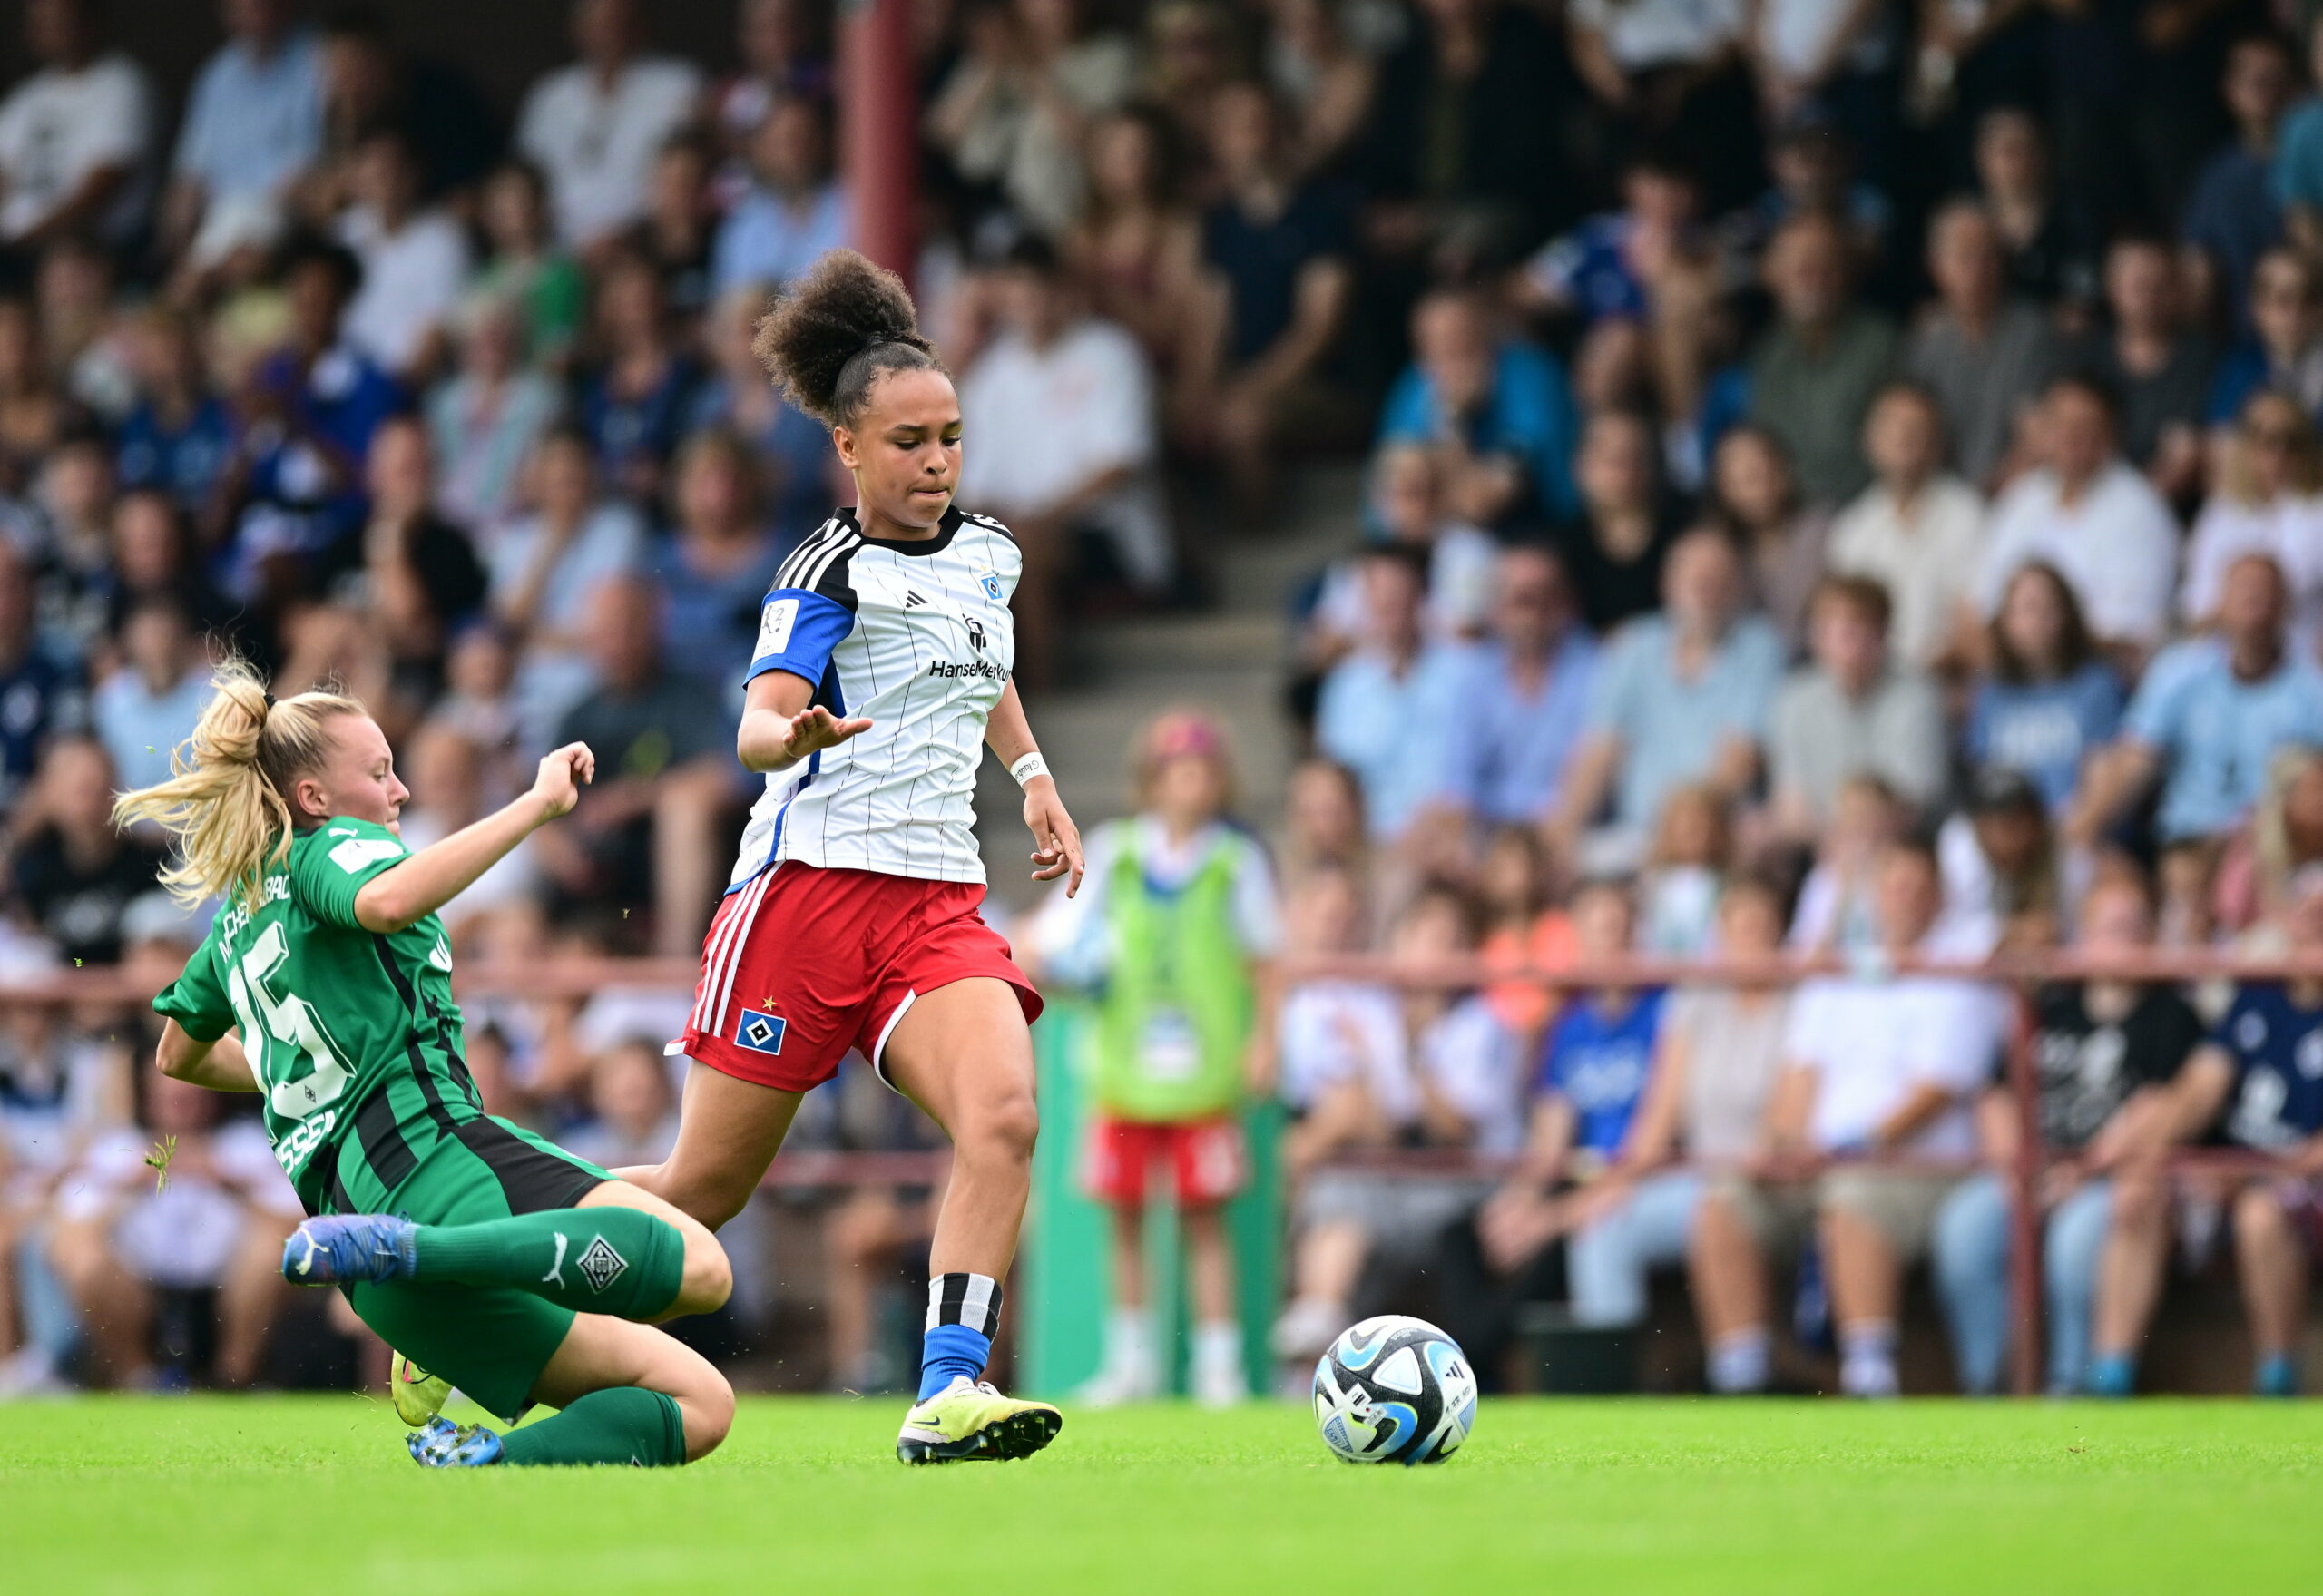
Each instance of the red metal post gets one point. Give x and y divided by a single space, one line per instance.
2025 1206
879 129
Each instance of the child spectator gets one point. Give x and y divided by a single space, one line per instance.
1523 930
1849 713
1835 902
1678 890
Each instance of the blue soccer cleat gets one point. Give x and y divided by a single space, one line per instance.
443 1445
339 1248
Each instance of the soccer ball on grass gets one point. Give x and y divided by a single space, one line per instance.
1394 1389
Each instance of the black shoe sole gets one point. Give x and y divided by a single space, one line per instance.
1020 1434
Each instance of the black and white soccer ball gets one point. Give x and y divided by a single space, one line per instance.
1394 1389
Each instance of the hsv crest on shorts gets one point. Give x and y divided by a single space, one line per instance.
760 1031
599 1265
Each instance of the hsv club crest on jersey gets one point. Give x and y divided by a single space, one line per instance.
915 635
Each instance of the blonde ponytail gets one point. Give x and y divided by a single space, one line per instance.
226 801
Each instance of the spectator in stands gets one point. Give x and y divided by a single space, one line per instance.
1680 696
1498 409
1587 1085
1014 112
1064 404
2284 347
42 691
1327 77
72 505
2206 718
76 137
2099 522
368 84
2154 361
1323 823
523 262
794 212
1716 1057
446 772
2259 1067
543 568
2006 877
153 557
1852 712
253 121
1691 853
34 412
2297 174
421 574
647 832
180 436
484 418
680 232
1616 549
1815 371
415 262
2266 498
793 449
1445 1076
1521 697
1755 497
718 562
119 1237
1175 931
633 400
2046 702
70 871
2110 1067
1917 530
2285 836
1874 1065
1394 693
1610 266
1137 248
1984 355
594 127
2048 235
634 1114
784 47
149 704
1675 75
1277 251
2231 215
1407 507
1340 1063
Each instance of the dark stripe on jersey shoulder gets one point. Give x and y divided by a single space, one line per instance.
821 564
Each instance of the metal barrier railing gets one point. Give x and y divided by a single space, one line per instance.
2021 972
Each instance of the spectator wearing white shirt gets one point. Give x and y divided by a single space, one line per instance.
596 126
254 120
416 263
795 211
2266 498
1875 1065
1918 530
75 137
2088 512
1067 442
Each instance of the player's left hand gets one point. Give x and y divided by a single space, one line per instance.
561 777
1056 840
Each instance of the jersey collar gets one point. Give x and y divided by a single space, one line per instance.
916 546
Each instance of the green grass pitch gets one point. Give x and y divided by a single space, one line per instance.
152 1497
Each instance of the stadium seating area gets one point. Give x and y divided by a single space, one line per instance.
1840 481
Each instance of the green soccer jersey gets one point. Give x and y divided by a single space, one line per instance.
352 1034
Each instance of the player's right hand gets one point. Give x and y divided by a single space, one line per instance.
562 776
815 728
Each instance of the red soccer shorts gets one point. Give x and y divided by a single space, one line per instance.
803 963
1205 1158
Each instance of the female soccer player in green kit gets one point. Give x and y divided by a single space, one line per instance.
510 1268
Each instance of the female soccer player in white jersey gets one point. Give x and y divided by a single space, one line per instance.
881 674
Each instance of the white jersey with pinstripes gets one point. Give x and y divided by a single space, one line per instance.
915 635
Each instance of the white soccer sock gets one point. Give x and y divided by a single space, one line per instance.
1219 1346
1739 1361
1129 1344
1867 1358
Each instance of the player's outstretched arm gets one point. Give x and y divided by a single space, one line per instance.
782 724
220 1065
1056 840
435 874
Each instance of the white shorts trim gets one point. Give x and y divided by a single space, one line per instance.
879 1048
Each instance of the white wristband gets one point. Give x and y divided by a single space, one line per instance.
1028 766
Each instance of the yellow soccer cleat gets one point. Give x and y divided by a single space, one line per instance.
417 1394
968 1421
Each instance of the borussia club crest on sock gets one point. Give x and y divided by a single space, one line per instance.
599 1265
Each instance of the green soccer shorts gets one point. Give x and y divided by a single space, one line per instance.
490 1341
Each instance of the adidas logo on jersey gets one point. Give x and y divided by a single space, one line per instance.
912 599
947 670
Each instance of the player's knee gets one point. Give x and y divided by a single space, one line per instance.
1004 1129
708 1412
709 1278
2257 1214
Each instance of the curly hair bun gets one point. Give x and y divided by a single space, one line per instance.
839 328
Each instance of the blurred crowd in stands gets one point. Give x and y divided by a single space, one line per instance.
1839 476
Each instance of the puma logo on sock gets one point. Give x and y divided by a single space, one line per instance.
555 1276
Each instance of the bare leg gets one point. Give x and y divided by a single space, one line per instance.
250 1297
964 1054
862 1233
1728 1273
116 1310
2128 1274
2273 1269
1209 1262
1129 1257
1330 1261
11 1232
601 1354
1865 1280
729 1133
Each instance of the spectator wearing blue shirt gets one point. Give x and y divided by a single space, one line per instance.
2049 700
1679 697
2298 168
1604 268
149 704
2207 720
2264 1067
1523 696
40 694
2285 347
2231 216
178 437
254 120
793 449
717 564
794 212
635 403
1383 710
1501 410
